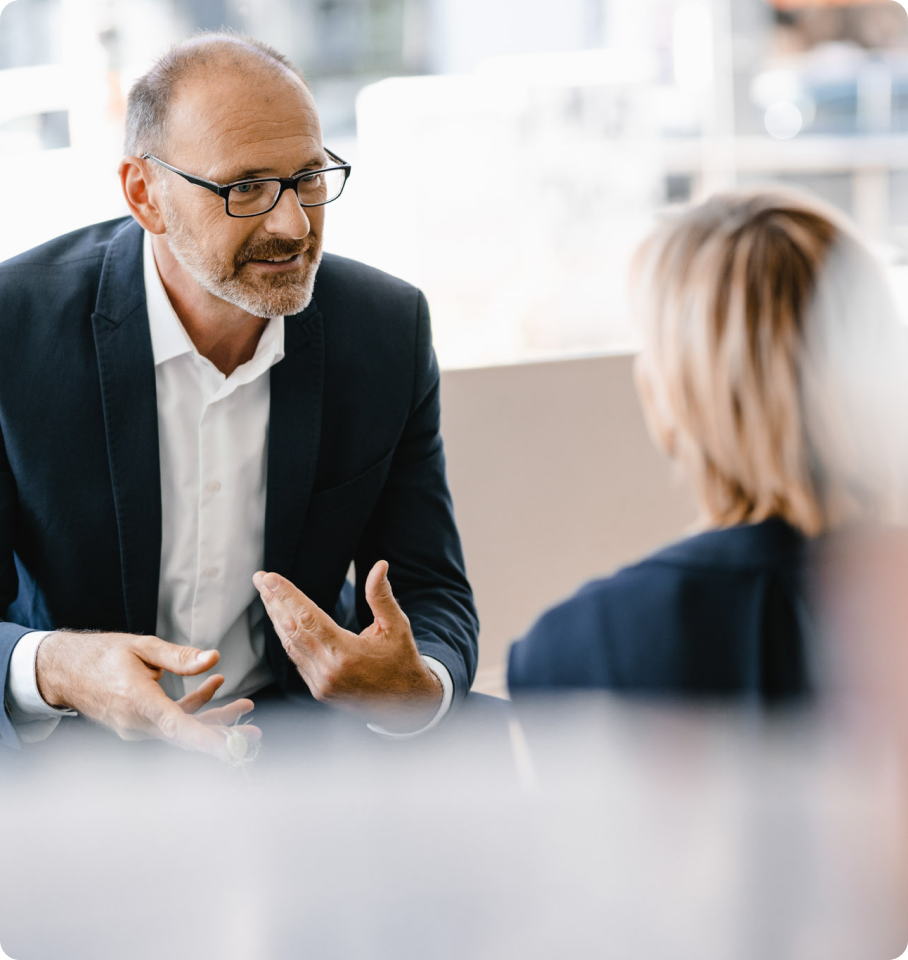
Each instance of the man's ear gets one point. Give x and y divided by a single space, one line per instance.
142 193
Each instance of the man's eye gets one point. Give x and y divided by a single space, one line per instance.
246 187
311 178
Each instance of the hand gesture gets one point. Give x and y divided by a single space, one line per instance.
377 673
111 678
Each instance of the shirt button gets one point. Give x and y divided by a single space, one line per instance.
211 571
213 486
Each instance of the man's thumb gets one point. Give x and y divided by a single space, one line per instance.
186 661
380 597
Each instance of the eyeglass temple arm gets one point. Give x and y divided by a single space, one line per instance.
336 158
198 181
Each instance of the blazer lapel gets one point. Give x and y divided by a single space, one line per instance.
294 428
129 398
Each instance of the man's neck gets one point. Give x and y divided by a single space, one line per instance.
223 333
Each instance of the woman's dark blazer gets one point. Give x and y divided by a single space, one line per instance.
718 614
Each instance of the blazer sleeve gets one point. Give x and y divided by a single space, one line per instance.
413 528
10 633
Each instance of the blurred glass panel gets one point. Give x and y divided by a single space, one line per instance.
29 33
33 132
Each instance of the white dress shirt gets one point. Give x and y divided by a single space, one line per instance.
213 439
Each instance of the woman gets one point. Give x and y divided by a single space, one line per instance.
762 316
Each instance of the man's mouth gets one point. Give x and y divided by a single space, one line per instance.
278 263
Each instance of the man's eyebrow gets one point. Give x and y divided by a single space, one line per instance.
316 163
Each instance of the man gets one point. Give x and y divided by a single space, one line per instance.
193 394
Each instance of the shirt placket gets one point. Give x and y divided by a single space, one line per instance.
211 555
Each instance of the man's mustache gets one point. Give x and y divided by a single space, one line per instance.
274 249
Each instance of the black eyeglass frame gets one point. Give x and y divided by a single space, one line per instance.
287 183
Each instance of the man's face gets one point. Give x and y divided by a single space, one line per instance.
229 127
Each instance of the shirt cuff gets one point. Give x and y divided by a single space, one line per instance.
447 687
33 717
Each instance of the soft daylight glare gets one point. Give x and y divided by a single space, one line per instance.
693 46
783 120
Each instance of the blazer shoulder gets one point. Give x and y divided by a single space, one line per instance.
680 619
735 552
569 645
340 279
77 246
769 544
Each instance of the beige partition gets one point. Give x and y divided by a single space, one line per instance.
555 481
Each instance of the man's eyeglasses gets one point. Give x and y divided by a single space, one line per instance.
251 198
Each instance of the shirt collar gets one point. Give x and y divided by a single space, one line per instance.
169 339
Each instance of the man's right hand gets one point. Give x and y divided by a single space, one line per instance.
112 678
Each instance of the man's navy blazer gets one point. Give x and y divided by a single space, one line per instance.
355 467
721 614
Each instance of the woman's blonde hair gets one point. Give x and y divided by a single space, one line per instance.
761 315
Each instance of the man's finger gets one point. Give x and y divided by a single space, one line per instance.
298 645
285 623
185 661
169 723
380 598
198 698
227 714
290 608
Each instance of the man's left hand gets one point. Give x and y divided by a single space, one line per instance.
377 673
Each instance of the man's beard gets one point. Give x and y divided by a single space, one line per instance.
274 295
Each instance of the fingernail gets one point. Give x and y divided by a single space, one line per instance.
203 655
271 582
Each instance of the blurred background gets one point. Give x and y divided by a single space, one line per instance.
507 156
507 153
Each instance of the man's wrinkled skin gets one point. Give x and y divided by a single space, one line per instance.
377 673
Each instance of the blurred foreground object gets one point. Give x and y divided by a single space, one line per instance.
863 592
648 834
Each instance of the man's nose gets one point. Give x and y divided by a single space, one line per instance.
287 218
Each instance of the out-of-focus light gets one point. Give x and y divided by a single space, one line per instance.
3 5
783 120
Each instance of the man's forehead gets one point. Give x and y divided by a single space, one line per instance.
218 101
242 130
224 73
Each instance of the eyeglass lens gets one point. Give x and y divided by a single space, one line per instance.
247 199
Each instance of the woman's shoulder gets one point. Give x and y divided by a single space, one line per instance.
727 552
597 636
753 546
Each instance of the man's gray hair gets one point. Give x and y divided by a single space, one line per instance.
149 100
